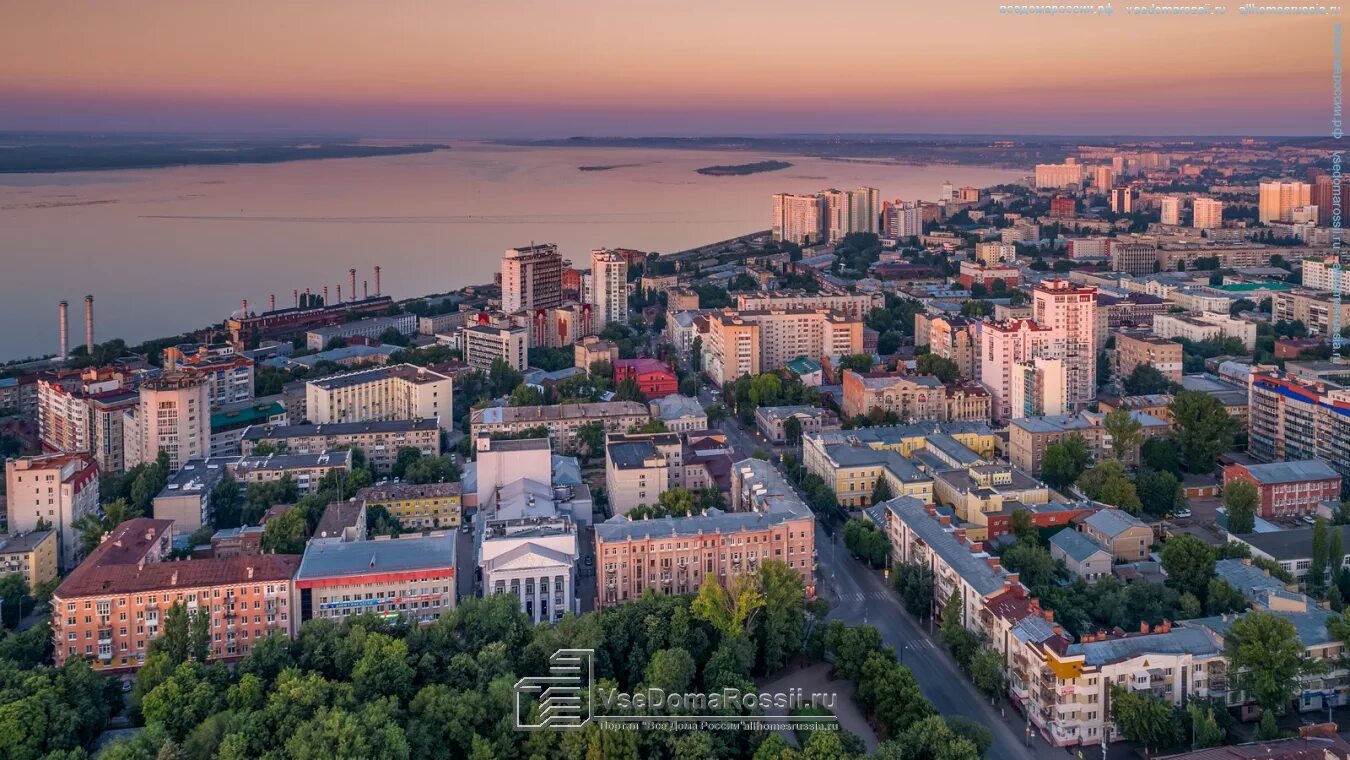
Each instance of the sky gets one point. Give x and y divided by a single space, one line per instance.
526 68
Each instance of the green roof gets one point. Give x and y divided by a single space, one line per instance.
1247 287
243 417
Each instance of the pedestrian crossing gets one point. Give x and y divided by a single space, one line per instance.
862 597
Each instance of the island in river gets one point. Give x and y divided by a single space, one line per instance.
736 170
606 167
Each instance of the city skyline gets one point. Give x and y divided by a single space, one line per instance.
526 70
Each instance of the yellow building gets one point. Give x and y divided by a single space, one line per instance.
32 554
428 505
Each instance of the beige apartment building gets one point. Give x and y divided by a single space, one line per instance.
1133 350
639 468
32 555
173 416
1127 537
380 440
958 339
55 490
1029 437
417 506
305 470
910 397
531 278
767 521
591 349
1312 308
750 342
484 344
1204 326
855 305
397 392
560 420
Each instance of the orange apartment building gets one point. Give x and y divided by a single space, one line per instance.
675 555
113 605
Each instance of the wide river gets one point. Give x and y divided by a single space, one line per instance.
168 250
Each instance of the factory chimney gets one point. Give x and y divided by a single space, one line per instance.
65 330
377 282
296 293
365 288
352 274
243 307
325 295
89 323
272 302
339 293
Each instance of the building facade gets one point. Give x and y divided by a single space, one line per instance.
531 278
394 392
410 578
173 415
379 441
52 492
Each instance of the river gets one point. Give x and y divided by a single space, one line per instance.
169 250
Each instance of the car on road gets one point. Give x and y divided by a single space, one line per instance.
1309 519
1182 513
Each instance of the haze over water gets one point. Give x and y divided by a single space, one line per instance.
169 250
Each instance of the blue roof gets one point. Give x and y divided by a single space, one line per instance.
335 559
1195 641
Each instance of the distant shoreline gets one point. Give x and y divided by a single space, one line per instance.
738 170
51 159
606 167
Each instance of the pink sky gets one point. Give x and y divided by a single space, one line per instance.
519 67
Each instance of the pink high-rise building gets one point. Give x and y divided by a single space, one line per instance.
1002 346
1071 312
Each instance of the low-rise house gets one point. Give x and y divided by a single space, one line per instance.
772 421
1082 556
305 470
342 521
31 554
681 414
560 420
1291 549
186 497
653 376
417 506
1127 537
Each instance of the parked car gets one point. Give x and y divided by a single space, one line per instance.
1183 512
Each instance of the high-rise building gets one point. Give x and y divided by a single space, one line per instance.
851 211
1171 210
1278 199
995 253
1120 200
748 342
609 288
1293 419
1039 387
531 278
1005 344
799 218
1072 312
172 416
1058 175
1102 178
484 344
1206 214
83 412
55 490
903 219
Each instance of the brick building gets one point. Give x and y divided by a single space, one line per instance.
1288 488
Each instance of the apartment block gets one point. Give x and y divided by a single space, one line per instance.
1292 419
750 342
973 273
173 415
1039 387
186 496
1206 214
1133 350
111 607
531 278
1278 200
800 218
1312 308
560 420
1004 345
395 392
379 440
957 339
228 375
1070 311
83 412
856 305
484 344
767 521
590 350
1288 489
417 506
1055 176
1203 326
1134 258
409 578
32 555
910 397
609 288
1030 436
52 492
305 470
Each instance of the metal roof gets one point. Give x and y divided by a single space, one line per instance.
1113 522
1193 641
1292 472
973 567
1076 545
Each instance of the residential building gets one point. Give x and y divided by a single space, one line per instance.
409 578
909 397
1102 178
228 375
995 253
1070 311
1290 549
856 305
1030 436
986 275
32 555
53 492
591 349
417 506
111 607
1278 199
394 392
941 445
1295 419
654 377
966 401
1004 345
639 468
955 338
1204 326
1318 273
800 218
1121 200
851 211
320 337
441 324
749 342
1286 489
1170 206
1127 537
560 420
681 414
229 422
1206 214
902 219
1163 355
85 412
609 288
1312 308
186 497
772 421
342 521
305 470
767 521
1081 555
379 440
531 278
1054 176
1039 387
173 415
1090 249
1134 258
975 491
484 344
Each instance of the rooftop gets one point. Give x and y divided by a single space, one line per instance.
247 416
1292 472
676 406
334 458
275 432
405 491
196 476
1076 545
1194 641
406 372
338 516
1112 522
498 415
333 559
1287 545
23 542
803 365
973 567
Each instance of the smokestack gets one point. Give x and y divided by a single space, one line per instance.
352 274
339 293
65 330
296 293
243 306
325 295
272 302
377 282
89 323
365 288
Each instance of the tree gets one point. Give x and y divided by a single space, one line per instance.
1265 651
671 670
1146 379
1144 718
953 632
1241 499
1204 429
502 377
1317 568
689 386
441 469
1032 563
92 526
526 395
629 389
986 671
778 632
728 612
1189 563
1126 433
591 438
914 584
1205 729
792 431
945 369
857 362
1161 455
286 533
1065 461
1159 492
1108 483
864 541
882 491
